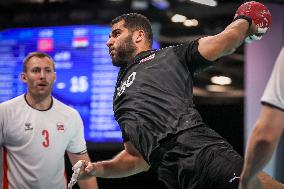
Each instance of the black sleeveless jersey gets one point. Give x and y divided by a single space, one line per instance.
154 98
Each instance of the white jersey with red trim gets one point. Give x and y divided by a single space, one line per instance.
34 143
274 91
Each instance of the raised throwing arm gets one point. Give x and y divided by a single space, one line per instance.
251 22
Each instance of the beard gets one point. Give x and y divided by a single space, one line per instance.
124 51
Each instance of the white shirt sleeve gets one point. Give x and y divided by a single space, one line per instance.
274 91
77 143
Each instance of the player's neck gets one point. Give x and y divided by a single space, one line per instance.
141 47
39 102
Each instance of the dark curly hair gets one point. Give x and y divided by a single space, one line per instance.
135 21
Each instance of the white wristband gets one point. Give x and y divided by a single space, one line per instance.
76 170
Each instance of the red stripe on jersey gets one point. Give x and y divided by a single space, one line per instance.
5 167
65 174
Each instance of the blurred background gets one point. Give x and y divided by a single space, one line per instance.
74 33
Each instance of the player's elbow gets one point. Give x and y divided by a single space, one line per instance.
264 134
141 165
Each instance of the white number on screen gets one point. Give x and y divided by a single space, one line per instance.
79 84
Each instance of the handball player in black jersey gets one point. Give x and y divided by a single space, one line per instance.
153 104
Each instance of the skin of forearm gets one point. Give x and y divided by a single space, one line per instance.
234 35
224 43
259 151
123 165
87 184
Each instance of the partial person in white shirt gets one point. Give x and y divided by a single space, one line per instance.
268 127
36 130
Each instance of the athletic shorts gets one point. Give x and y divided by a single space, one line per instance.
197 158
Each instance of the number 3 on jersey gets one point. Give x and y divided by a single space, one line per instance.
45 135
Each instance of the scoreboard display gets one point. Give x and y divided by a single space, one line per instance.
85 75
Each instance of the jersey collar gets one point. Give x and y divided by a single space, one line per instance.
51 103
143 55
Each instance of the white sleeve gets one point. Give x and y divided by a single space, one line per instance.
274 91
77 143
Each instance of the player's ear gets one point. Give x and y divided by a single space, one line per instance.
24 77
139 35
55 76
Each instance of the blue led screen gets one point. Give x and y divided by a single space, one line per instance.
85 75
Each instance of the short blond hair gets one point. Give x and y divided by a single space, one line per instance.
36 54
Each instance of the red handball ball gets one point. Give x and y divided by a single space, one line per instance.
258 12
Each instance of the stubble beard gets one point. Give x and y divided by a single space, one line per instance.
125 52
40 95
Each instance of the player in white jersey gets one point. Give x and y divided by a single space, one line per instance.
36 130
268 129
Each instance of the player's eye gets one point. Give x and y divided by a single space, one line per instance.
35 70
116 33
